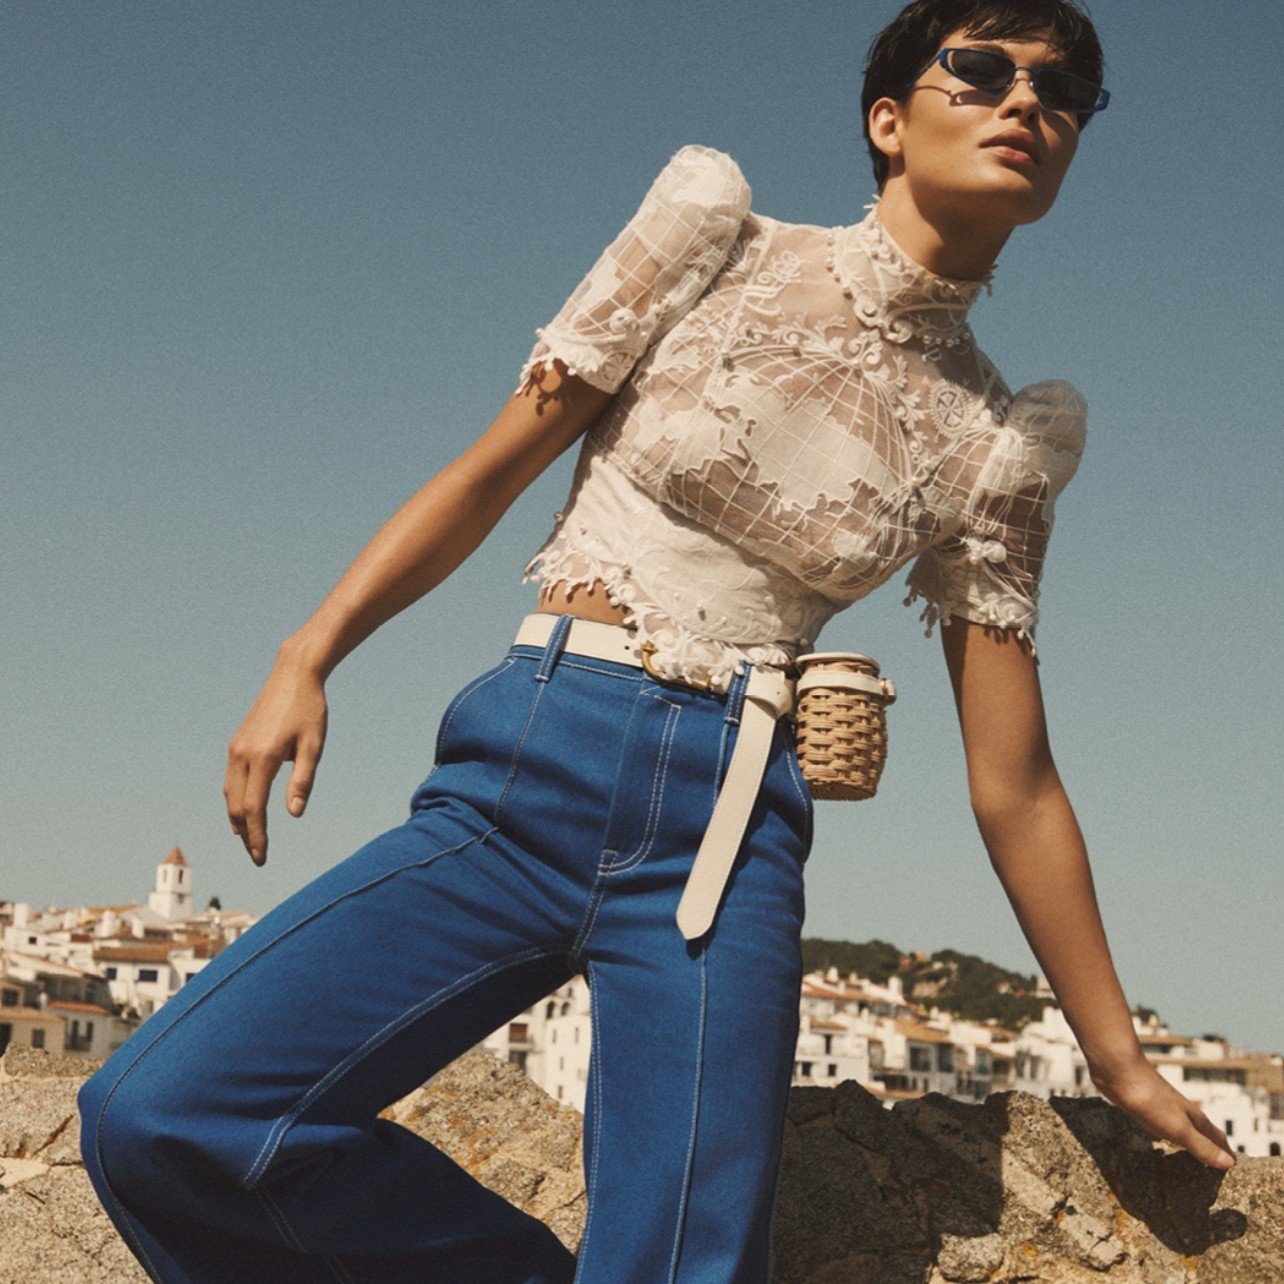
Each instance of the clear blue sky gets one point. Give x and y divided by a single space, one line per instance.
268 267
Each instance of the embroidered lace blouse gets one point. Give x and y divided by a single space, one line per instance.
799 412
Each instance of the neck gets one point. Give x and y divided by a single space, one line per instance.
948 245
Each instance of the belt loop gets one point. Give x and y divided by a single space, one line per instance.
553 647
736 693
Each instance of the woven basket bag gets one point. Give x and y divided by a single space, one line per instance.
842 726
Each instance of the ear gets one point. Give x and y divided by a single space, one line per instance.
884 126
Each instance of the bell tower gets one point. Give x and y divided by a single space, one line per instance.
173 894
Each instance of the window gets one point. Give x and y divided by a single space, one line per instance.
833 1069
37 1038
9 998
111 973
1274 1148
148 974
804 1069
1230 1127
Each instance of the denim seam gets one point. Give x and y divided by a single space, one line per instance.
804 793
460 699
595 1086
658 778
517 752
285 1122
276 940
684 1201
596 897
291 1237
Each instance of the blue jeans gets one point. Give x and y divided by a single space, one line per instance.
235 1135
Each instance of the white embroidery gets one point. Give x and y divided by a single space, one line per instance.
799 411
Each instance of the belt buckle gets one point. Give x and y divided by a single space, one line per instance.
648 649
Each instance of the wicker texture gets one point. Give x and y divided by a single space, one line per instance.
842 730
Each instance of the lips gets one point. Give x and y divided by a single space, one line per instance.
1016 140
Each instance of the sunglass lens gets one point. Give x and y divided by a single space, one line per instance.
1062 91
981 69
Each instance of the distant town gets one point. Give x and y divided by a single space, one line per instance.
79 980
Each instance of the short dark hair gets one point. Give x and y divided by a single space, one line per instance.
908 42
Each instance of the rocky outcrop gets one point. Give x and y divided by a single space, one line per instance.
930 1191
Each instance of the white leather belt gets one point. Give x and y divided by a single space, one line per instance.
769 693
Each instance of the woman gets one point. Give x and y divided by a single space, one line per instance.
776 417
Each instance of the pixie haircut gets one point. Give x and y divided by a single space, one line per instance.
900 51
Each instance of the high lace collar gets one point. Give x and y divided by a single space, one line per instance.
893 293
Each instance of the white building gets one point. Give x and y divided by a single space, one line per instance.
172 896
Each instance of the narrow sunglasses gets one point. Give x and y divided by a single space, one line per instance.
993 73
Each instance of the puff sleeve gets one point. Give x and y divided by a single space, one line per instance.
989 570
653 271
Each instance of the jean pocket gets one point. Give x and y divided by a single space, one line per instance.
450 718
633 817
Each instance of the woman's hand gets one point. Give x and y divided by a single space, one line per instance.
1163 1113
285 724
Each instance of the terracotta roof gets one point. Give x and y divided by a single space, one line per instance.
73 1006
819 1024
29 1013
150 951
175 857
919 1032
1183 1039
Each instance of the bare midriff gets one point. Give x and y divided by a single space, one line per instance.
589 602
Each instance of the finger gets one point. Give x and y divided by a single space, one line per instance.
302 777
258 787
1209 1144
234 792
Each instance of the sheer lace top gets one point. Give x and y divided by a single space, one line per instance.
799 411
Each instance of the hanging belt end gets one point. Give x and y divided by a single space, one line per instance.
692 921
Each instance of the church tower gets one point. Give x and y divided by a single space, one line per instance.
173 894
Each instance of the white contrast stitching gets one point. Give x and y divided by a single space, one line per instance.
517 753
658 778
474 686
126 1217
374 1041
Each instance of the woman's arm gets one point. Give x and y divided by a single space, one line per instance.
1038 852
449 516
413 552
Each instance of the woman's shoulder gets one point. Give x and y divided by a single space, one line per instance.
1056 409
703 175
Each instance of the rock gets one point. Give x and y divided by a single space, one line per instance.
933 1191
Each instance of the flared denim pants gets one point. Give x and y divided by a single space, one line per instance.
235 1136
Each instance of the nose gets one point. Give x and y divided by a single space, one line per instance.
1021 95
